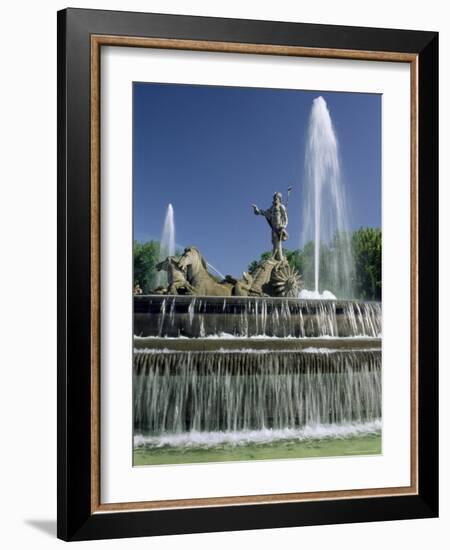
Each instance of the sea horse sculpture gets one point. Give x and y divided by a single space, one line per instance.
177 282
201 281
272 277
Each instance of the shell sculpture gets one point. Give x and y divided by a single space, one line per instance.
286 281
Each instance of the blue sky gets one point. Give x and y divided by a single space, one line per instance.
213 151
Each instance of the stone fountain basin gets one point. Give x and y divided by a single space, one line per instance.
152 302
272 344
198 316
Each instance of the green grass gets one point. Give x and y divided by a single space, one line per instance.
365 445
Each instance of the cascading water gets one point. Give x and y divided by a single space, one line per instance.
167 242
196 317
325 218
312 369
247 390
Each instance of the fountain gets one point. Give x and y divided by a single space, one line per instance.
213 391
196 316
258 359
325 214
167 243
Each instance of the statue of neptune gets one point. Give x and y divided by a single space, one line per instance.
276 217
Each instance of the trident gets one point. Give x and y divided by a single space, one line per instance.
289 189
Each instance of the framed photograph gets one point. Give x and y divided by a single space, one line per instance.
248 295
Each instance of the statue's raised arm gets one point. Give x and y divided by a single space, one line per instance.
257 211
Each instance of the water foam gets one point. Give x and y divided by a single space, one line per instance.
311 432
316 295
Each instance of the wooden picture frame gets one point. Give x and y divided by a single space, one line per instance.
81 35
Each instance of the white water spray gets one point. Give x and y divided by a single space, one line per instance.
167 242
325 213
221 275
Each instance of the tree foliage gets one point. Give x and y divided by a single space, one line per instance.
365 273
145 258
255 264
366 245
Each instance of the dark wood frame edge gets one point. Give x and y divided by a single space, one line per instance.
75 520
97 41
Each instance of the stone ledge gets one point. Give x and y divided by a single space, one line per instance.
272 344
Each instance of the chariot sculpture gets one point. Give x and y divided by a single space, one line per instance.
274 276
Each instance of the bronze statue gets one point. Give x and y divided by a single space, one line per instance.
273 277
176 277
276 217
200 280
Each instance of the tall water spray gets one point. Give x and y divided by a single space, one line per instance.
167 242
167 245
325 218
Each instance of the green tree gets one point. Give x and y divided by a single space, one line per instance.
366 245
255 264
365 276
145 258
295 259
